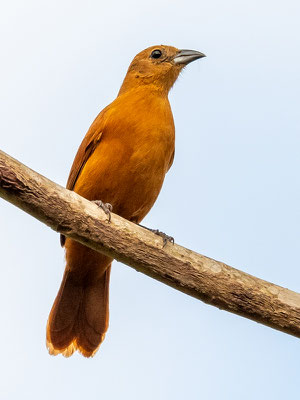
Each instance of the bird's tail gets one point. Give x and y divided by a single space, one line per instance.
79 316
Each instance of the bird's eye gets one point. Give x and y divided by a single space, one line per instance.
156 54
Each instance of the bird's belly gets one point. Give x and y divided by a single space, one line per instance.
129 178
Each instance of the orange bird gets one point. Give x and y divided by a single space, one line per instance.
122 161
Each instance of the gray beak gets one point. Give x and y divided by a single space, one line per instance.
187 56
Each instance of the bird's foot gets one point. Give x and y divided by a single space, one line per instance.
106 207
166 238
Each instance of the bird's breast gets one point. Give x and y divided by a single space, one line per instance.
128 166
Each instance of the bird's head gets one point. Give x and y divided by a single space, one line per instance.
158 67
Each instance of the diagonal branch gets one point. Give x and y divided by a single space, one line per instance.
211 281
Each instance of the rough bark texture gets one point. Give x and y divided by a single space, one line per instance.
211 281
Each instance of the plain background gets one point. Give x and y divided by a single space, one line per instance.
232 193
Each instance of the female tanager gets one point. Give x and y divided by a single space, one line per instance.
122 161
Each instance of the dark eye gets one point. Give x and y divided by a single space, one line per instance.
156 54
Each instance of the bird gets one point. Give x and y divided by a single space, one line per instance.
121 165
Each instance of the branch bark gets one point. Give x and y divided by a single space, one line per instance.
208 280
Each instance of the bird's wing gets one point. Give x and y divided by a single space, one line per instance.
86 149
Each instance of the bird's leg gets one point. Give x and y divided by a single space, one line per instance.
166 238
106 207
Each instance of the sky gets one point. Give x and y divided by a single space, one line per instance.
232 193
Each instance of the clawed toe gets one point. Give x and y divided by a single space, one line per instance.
106 207
165 238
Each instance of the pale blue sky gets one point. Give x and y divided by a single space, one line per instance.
236 166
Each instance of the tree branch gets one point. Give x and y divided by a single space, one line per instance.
211 281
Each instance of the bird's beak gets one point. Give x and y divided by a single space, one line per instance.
187 56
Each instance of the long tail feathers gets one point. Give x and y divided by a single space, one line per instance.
79 317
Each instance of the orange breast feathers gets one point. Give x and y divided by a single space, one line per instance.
131 151
122 160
